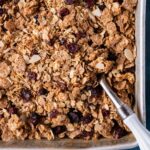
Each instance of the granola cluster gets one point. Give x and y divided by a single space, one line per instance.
52 54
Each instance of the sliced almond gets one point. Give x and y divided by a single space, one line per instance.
129 55
96 12
34 59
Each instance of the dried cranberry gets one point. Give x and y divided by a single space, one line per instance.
1 11
64 12
2 2
95 91
12 110
34 118
87 119
102 6
26 94
69 2
119 132
131 69
105 112
59 129
80 35
62 86
54 113
32 75
112 56
1 116
73 47
85 134
43 91
74 116
90 3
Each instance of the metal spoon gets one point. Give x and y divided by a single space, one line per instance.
141 134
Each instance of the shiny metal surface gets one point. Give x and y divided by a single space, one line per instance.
123 110
103 144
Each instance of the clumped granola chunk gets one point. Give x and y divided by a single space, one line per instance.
52 54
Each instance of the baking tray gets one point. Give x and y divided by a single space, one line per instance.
103 144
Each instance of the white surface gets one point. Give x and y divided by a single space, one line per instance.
141 134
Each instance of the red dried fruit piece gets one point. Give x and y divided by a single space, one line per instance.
54 113
1 11
86 134
34 118
26 94
62 86
69 2
1 116
64 12
12 110
95 92
80 35
73 48
32 75
74 116
87 119
43 91
59 129
90 3
119 132
105 112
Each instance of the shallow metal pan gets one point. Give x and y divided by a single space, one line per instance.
104 144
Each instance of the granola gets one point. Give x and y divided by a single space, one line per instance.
52 53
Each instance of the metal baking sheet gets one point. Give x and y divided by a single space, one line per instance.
103 144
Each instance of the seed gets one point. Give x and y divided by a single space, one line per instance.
43 91
64 12
73 48
59 129
26 94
